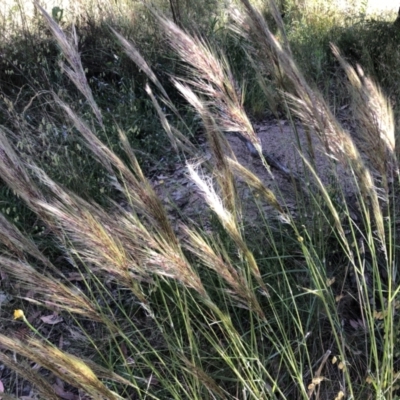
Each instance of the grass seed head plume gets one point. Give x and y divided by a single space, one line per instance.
338 144
141 63
135 187
76 73
72 369
165 257
87 227
52 292
375 117
211 76
262 45
213 200
219 147
20 245
66 366
14 173
302 95
217 260
77 222
310 107
255 182
121 247
227 220
177 139
44 388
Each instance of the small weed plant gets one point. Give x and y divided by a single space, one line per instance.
300 303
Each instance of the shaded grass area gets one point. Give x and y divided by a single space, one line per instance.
121 301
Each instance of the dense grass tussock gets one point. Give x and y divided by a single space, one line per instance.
301 304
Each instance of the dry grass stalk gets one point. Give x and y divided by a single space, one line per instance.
219 147
204 378
14 173
218 261
53 293
27 372
228 221
117 245
133 256
253 181
69 368
177 139
141 63
137 189
315 114
70 50
376 122
19 244
211 76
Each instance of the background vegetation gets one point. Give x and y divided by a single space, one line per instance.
113 298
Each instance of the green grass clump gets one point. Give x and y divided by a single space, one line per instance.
115 298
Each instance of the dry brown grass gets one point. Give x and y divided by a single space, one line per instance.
70 51
376 131
141 252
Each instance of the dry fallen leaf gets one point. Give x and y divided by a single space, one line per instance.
51 319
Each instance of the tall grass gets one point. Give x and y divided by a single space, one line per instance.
296 305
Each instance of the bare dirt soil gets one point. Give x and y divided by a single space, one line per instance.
281 142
